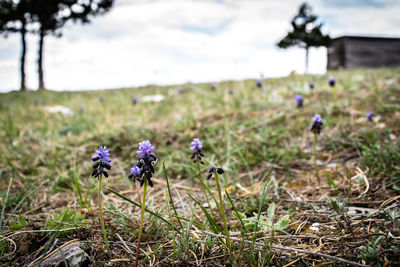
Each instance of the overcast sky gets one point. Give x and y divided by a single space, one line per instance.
170 42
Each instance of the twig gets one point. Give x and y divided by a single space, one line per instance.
126 246
40 231
309 252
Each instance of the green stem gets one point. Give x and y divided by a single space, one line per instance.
315 156
204 188
141 222
103 229
222 212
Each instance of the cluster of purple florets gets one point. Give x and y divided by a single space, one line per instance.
299 100
212 169
332 81
144 167
317 124
196 147
101 162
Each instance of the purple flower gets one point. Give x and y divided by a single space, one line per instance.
299 100
101 162
331 81
101 98
82 108
259 83
317 124
103 154
370 116
144 167
135 171
196 144
37 102
211 171
181 90
213 87
196 148
145 148
311 85
230 90
135 100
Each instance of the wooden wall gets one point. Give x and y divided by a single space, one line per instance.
363 52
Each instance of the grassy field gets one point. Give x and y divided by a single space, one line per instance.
277 213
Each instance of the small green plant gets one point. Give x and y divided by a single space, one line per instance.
371 251
64 220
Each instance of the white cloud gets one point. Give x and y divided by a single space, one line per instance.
166 42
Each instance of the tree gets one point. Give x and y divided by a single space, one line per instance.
53 15
14 18
306 32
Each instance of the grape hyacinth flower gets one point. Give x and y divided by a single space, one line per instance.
213 87
332 81
259 83
143 170
311 84
181 90
101 165
299 100
370 116
197 145
82 108
101 162
316 129
37 102
230 90
101 98
135 100
211 171
317 124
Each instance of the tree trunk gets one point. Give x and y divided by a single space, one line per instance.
40 60
306 59
23 52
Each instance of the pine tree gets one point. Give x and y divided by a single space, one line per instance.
306 32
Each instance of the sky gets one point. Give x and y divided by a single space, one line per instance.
141 42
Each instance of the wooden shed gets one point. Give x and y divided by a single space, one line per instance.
351 52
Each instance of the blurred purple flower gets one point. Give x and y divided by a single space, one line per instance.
317 124
299 100
101 98
230 90
311 85
196 144
331 81
259 83
135 100
213 87
181 90
370 116
145 148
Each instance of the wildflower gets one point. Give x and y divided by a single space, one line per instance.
101 162
144 167
317 124
82 108
213 87
211 171
331 81
37 102
196 148
101 98
259 83
299 100
370 116
311 85
135 100
230 90
181 90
